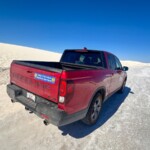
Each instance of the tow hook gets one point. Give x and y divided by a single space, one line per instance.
26 108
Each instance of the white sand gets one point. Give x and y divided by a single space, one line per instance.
134 63
124 122
9 52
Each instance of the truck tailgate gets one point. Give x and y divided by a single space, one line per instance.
37 81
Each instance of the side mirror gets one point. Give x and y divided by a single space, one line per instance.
124 68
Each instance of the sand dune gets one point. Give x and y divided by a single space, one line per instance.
124 122
10 52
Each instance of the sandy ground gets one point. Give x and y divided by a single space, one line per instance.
124 123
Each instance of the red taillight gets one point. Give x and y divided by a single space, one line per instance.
63 88
65 93
61 106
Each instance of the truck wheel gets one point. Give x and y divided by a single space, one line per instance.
94 110
123 87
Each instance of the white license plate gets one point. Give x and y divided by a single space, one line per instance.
31 96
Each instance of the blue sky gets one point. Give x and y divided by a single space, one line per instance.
119 26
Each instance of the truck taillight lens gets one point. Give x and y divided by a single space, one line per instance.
63 88
66 91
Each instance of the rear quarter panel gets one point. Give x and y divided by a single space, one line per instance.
86 83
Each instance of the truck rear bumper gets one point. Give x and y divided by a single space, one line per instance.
43 108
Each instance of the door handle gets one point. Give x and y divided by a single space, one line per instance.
119 71
29 71
109 75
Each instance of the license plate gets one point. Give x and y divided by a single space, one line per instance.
31 96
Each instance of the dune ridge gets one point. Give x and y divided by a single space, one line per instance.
9 52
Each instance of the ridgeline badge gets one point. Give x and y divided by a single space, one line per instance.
45 78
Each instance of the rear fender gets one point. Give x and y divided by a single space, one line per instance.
101 90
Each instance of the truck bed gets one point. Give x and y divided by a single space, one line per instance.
53 66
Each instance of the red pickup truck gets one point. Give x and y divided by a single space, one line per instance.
70 90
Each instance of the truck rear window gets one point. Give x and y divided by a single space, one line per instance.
84 58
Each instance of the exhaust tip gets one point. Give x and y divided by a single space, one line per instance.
46 122
26 108
13 101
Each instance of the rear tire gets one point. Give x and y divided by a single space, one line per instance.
94 110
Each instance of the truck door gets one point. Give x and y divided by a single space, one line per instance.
119 72
115 74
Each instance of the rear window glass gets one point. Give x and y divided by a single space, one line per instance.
84 58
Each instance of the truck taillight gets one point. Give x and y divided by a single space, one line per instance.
66 91
61 106
63 88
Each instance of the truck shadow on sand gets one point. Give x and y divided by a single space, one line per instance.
110 107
